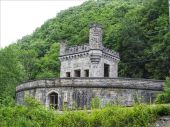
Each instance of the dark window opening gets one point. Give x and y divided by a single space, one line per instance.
86 73
68 74
54 100
106 70
77 73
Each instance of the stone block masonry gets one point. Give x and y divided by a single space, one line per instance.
80 91
89 60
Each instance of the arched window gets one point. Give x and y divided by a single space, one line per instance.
53 100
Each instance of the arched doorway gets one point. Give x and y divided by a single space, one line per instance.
53 100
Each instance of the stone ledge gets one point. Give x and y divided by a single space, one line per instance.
120 78
121 83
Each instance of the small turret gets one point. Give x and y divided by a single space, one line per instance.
63 46
95 36
95 53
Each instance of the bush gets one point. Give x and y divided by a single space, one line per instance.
95 103
165 96
33 114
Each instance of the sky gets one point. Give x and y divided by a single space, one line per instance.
21 17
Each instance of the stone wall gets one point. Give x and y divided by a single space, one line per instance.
80 61
93 60
80 91
163 122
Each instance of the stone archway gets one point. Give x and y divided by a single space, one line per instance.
52 100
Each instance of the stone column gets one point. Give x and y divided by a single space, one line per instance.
96 63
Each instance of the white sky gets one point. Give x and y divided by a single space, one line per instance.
20 18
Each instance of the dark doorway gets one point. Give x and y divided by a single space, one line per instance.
54 100
77 73
86 73
67 74
106 70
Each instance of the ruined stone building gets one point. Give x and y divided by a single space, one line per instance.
89 71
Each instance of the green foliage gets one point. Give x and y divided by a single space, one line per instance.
33 114
95 103
10 75
28 60
49 65
165 96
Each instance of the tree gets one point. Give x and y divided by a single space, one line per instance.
11 74
28 61
49 65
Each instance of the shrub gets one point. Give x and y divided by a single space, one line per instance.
165 96
33 114
95 103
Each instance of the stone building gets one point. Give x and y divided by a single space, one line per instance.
87 72
89 60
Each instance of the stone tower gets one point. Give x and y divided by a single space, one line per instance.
89 60
95 36
63 47
95 53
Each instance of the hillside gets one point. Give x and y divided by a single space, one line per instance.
137 29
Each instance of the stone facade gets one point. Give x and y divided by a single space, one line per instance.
89 60
80 91
87 72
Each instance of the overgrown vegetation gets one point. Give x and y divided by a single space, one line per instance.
165 96
33 114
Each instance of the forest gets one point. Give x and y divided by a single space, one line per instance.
137 29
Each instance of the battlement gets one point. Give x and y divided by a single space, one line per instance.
110 52
82 51
84 48
77 49
95 43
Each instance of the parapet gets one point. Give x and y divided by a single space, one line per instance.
120 83
83 50
77 49
75 52
111 53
